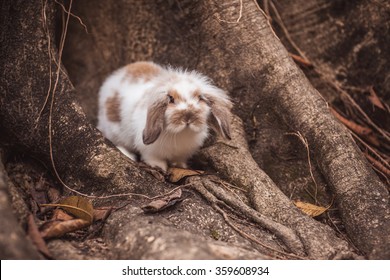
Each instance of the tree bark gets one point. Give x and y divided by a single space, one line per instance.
14 243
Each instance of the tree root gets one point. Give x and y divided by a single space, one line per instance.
215 195
153 237
238 166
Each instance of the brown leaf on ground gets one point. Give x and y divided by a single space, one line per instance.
375 100
53 229
79 207
310 209
357 128
176 174
300 60
162 203
61 215
101 213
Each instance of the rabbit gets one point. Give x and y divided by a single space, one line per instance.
161 113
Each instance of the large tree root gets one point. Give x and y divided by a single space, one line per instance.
261 71
217 197
134 235
234 162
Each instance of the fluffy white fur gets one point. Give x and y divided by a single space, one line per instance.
177 141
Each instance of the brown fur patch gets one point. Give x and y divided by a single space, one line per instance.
113 108
197 94
142 70
176 96
190 116
154 122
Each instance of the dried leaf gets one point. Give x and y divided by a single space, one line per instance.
300 60
160 204
101 213
176 174
61 215
78 206
36 237
375 99
357 128
310 209
53 229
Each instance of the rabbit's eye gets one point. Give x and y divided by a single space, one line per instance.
201 98
171 99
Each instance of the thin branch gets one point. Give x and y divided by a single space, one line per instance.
372 150
378 165
214 201
357 128
337 87
46 29
306 144
239 15
73 15
255 240
285 31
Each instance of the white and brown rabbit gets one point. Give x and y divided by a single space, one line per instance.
162 113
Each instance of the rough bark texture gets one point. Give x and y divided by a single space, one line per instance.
243 57
13 241
349 50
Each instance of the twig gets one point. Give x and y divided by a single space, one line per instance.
342 234
301 60
372 150
285 31
73 15
53 90
287 235
239 16
244 234
46 28
361 111
61 47
378 165
357 128
266 8
214 201
304 141
268 18
226 184
337 87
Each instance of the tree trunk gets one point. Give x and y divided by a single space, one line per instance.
243 56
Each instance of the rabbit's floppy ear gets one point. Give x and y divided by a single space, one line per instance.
220 117
154 121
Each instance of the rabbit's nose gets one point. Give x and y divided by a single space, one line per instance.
188 118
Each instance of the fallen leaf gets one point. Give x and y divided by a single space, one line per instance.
53 229
101 213
357 128
310 209
301 60
162 203
176 174
375 99
61 215
78 206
